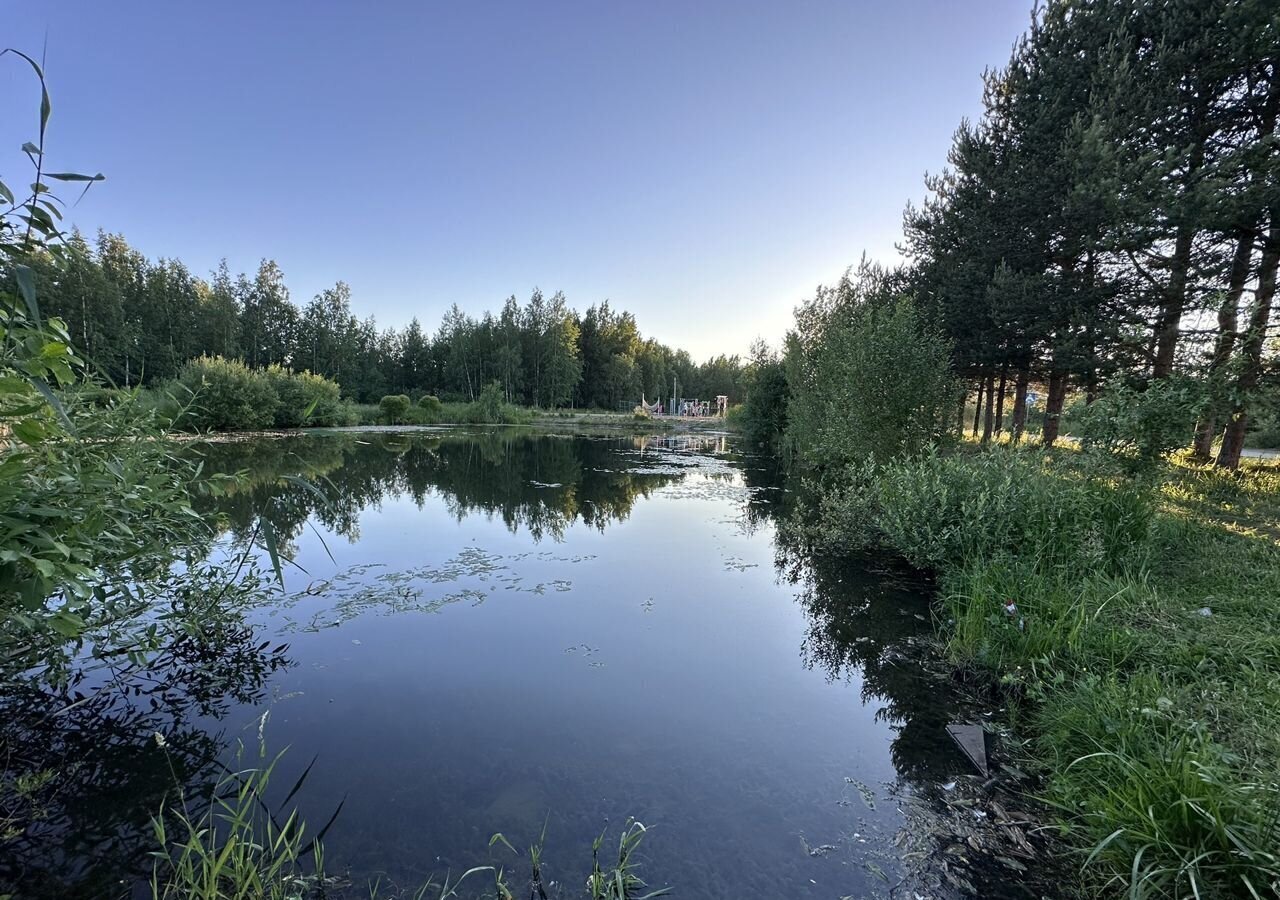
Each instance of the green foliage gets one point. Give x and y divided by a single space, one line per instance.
1130 639
37 358
488 406
394 408
621 880
141 320
92 498
1138 426
217 394
1144 715
763 416
946 511
1079 229
1158 794
867 378
236 846
431 407
225 395
1264 411
1266 432
366 413
304 399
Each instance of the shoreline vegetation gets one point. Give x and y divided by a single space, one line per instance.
1102 232
1129 624
214 395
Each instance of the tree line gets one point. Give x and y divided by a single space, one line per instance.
1113 217
141 320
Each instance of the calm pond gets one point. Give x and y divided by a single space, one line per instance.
487 631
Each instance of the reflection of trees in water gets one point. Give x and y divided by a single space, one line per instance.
83 773
541 483
865 617
768 500
870 619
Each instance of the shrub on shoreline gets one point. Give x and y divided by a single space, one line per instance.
394 408
430 407
212 393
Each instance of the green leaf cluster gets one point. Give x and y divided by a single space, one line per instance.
868 377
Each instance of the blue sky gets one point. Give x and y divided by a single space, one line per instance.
701 164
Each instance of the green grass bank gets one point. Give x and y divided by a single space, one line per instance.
1134 620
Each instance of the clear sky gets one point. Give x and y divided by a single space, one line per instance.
702 164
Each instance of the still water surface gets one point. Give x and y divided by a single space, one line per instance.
496 630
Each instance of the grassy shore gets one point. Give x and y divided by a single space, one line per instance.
1135 620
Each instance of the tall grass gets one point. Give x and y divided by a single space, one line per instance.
235 847
1135 624
441 413
1167 804
620 879
945 511
232 845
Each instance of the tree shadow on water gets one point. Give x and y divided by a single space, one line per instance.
84 771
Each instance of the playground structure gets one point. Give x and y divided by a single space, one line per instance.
687 408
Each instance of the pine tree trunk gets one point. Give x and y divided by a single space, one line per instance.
1251 347
977 407
1004 380
1174 299
1053 408
991 409
1206 431
1172 304
1224 345
1020 405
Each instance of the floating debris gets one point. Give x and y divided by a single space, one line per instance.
868 795
972 741
357 590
